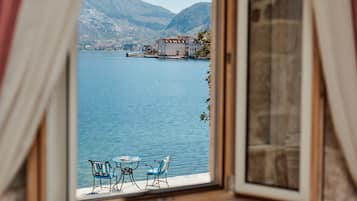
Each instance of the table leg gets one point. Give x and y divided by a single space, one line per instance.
117 182
126 172
122 182
133 181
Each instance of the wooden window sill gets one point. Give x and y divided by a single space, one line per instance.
213 195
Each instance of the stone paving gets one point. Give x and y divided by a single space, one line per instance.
129 188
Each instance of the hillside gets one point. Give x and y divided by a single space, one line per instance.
197 17
113 23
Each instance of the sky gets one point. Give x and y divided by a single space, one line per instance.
175 5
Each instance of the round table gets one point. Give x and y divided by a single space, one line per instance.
127 165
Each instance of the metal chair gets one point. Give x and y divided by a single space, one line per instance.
157 172
102 170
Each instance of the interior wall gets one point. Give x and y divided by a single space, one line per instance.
338 185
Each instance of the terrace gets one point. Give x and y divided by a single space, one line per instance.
129 188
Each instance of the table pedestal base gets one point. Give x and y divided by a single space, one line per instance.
127 171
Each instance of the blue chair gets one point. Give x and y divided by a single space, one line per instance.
102 170
160 171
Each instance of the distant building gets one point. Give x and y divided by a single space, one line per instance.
130 46
182 46
171 47
193 46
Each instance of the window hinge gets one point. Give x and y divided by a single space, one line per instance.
228 58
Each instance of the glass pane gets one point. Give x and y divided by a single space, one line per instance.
143 96
274 92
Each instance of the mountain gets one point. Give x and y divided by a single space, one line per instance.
197 17
120 20
114 23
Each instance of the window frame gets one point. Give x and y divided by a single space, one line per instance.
225 141
241 186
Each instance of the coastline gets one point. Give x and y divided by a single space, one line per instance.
142 55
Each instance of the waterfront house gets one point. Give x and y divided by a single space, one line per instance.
172 47
182 46
193 45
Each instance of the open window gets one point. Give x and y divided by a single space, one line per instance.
126 106
274 102
142 99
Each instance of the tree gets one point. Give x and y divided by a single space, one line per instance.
204 38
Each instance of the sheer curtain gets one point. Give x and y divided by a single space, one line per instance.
40 43
334 20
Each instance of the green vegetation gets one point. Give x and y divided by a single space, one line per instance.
205 116
204 38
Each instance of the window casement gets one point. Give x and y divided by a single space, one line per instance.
277 87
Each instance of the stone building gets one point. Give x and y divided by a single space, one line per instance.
172 47
193 45
183 46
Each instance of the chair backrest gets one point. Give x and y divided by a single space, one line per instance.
164 165
100 168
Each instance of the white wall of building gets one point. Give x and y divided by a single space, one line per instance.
181 46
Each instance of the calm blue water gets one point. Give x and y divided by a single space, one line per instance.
141 107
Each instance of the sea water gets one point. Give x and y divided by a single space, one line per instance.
142 107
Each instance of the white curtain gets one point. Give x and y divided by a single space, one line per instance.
336 38
42 38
